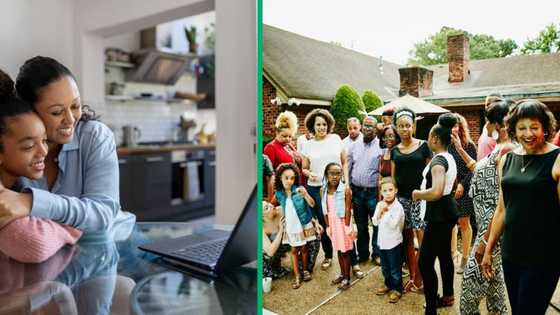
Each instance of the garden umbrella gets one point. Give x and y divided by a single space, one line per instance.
418 106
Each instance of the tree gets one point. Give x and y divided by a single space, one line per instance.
371 100
548 41
482 46
346 103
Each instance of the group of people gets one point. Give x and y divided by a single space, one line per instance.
417 194
58 165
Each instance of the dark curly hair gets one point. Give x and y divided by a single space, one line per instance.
38 72
382 135
319 112
530 108
10 104
280 170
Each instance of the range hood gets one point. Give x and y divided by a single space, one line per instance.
154 66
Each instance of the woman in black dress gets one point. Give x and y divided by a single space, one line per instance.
461 139
528 211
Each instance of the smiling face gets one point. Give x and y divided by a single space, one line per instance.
60 108
530 134
320 127
24 146
269 211
390 138
405 127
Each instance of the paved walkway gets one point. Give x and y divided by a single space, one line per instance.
319 297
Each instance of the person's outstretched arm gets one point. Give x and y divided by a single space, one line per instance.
34 240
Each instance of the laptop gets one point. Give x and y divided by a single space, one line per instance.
215 251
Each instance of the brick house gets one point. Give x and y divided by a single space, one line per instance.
302 73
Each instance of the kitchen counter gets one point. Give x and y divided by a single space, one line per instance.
143 149
107 277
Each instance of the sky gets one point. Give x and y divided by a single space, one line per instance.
390 28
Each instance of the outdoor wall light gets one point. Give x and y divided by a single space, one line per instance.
276 101
293 101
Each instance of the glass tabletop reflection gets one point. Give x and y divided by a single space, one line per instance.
98 276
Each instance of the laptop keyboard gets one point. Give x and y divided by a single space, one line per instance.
207 252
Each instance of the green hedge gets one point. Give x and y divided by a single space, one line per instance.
371 100
346 103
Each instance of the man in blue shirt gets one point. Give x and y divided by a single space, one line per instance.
363 169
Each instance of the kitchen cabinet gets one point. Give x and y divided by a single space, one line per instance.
151 184
209 176
145 184
126 182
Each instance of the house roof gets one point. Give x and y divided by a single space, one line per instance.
519 76
312 70
309 71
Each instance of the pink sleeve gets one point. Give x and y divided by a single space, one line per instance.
34 240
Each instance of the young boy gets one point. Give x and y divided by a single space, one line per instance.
389 216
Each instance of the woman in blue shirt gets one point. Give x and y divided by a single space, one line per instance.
81 183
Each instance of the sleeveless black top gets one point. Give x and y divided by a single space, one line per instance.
532 209
409 167
445 208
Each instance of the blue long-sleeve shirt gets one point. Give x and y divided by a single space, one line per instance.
85 194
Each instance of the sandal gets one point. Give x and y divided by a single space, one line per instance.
306 276
358 273
296 283
337 280
411 287
344 284
326 263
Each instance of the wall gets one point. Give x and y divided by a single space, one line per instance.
235 78
30 28
177 31
97 20
158 120
127 42
236 102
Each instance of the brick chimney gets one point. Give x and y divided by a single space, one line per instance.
416 81
458 56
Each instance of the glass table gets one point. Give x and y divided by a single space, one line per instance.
107 277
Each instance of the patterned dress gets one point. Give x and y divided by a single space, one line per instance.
464 177
484 191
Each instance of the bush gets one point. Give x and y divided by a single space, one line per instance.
371 100
346 103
